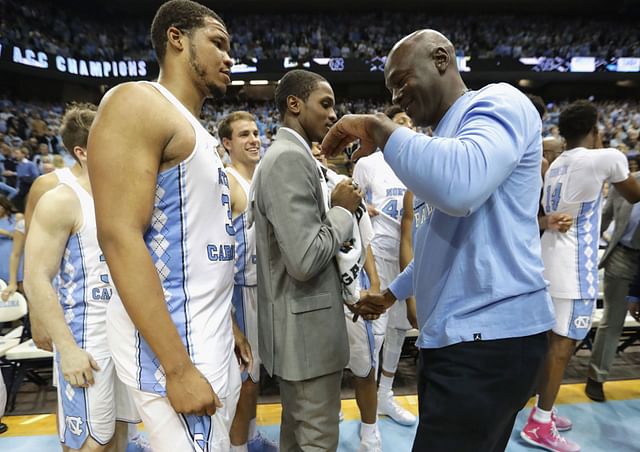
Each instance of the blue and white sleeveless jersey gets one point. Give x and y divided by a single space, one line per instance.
191 242
573 185
385 192
246 272
84 286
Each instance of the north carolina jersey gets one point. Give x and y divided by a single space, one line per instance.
246 274
573 185
191 242
84 287
385 192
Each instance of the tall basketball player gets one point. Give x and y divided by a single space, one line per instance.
240 137
164 223
62 242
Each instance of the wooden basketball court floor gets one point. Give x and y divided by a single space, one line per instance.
613 426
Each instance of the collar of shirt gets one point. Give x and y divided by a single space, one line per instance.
299 137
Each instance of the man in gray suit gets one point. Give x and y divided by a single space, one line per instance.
620 262
302 332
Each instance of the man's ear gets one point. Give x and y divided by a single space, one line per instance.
293 104
441 59
226 144
175 39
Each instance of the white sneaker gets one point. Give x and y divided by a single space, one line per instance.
340 416
387 406
370 443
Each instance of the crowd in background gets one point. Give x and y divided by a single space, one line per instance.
93 33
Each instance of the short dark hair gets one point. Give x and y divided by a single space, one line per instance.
299 83
392 111
577 120
224 127
76 124
538 103
185 15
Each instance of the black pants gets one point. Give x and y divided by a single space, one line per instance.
470 393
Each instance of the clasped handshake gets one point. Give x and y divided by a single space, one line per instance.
371 304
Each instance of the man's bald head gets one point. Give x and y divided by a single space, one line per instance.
422 75
422 43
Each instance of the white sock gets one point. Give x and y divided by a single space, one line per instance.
242 448
367 429
386 384
541 416
253 431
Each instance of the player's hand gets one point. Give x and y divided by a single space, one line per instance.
634 310
9 291
242 349
372 211
412 315
39 334
77 366
367 128
560 222
346 194
189 392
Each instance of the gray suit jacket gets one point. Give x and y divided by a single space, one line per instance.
619 209
301 322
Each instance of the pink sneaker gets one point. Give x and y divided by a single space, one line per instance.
547 437
563 423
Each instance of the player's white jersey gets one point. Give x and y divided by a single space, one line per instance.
84 286
191 242
64 175
573 185
246 272
385 192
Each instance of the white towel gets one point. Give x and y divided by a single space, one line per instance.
353 253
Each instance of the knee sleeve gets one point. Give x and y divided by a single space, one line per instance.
393 341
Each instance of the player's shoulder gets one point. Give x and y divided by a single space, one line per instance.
45 182
60 203
133 99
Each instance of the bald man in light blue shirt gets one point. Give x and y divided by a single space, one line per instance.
483 306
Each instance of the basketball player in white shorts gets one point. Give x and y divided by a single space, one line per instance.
239 135
573 185
384 194
165 225
62 242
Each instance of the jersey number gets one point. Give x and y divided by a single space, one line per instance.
553 199
228 226
391 209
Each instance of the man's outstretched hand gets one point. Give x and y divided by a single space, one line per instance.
373 131
373 304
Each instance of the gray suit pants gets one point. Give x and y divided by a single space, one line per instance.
310 414
620 269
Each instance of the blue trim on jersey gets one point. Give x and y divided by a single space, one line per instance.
185 258
580 320
237 300
241 250
166 241
84 292
75 410
368 324
200 431
72 289
372 341
587 228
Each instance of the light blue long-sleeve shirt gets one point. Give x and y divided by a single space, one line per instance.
477 269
